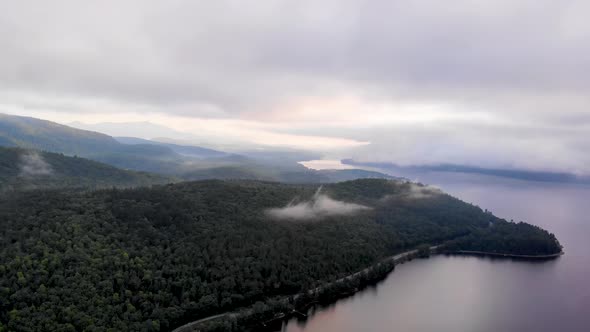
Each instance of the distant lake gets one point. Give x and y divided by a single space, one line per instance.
325 164
452 293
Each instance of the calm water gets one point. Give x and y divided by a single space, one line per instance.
481 294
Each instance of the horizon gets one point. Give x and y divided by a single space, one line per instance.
309 160
180 138
492 85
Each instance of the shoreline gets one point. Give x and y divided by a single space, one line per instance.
394 260
501 255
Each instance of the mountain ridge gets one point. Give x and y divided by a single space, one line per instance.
25 169
519 174
185 162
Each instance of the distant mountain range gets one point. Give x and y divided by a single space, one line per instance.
519 174
185 150
32 133
169 160
143 129
39 134
188 162
278 174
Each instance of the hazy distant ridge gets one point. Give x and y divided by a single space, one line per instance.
507 173
184 162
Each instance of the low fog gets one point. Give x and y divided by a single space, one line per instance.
320 206
33 164
417 191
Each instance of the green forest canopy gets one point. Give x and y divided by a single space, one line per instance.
23 169
153 258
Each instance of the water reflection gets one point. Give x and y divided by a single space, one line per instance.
458 293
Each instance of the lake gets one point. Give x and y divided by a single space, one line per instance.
457 293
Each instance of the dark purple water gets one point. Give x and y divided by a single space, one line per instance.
450 293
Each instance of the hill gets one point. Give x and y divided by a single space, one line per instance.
294 173
340 175
151 259
168 159
32 133
144 129
187 150
518 174
39 134
22 169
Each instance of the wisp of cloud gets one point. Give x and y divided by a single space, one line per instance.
33 164
320 206
416 191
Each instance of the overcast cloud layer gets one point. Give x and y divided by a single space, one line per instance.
488 83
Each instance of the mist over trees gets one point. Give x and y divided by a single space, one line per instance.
24 169
150 259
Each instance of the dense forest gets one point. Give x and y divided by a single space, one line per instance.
151 259
22 169
504 238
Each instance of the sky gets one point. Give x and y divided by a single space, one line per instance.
484 83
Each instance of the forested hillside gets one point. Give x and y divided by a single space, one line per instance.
32 133
287 173
167 159
39 134
150 259
22 169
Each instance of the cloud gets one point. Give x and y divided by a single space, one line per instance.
320 206
492 145
419 191
491 83
236 58
33 164
413 190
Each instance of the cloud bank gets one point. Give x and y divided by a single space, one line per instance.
492 83
320 206
33 164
